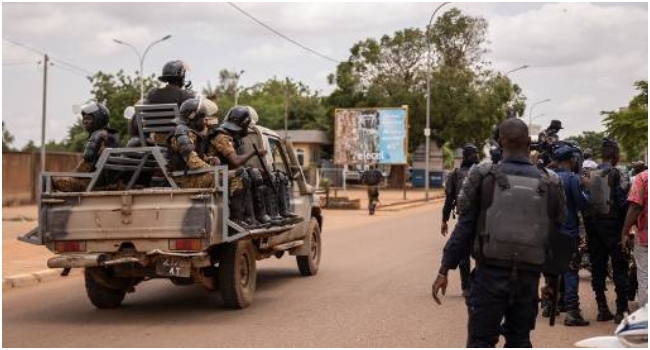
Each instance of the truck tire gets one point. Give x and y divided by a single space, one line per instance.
237 274
101 296
308 265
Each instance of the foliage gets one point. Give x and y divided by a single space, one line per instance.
459 39
7 139
630 125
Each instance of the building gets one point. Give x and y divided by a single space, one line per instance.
309 145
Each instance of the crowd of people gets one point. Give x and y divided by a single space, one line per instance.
259 198
522 214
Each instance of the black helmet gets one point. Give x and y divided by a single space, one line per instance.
555 125
173 71
239 118
194 109
98 112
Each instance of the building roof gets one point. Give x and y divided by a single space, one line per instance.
308 136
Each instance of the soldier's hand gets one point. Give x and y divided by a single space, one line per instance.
213 161
440 284
444 229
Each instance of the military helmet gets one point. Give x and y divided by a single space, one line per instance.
564 150
195 108
173 70
239 118
469 150
98 112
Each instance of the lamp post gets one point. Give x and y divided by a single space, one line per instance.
516 69
237 76
530 114
427 130
537 116
141 58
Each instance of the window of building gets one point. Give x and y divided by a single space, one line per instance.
301 156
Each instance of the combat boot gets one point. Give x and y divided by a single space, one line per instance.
620 315
574 319
603 312
236 207
260 207
272 209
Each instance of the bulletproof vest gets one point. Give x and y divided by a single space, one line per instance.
516 226
459 176
600 192
168 94
373 177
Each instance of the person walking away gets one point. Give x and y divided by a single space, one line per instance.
637 213
509 213
372 178
452 189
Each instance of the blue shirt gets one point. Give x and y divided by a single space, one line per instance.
576 200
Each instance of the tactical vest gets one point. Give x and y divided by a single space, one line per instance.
373 177
515 227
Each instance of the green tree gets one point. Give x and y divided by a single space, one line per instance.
589 139
630 125
7 139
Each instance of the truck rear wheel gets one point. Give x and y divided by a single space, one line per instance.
237 274
100 295
308 265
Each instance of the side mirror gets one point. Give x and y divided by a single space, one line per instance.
129 112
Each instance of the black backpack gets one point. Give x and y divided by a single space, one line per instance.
372 177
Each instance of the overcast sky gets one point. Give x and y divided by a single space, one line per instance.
584 57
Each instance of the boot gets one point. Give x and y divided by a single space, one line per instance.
236 207
260 207
603 311
272 209
284 199
574 319
620 315
249 212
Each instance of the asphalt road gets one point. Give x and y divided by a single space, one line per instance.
373 290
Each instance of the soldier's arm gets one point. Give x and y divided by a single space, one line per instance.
450 194
188 152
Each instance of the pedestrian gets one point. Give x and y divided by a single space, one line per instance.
604 220
452 189
637 214
567 158
509 213
372 178
588 164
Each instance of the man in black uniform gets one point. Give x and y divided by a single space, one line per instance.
173 73
452 189
372 178
509 212
603 222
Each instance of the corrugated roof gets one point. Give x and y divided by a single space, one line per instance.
307 136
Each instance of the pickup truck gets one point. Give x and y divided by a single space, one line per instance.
124 237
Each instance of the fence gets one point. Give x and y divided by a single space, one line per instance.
20 172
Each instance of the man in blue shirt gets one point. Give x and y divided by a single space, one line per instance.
504 289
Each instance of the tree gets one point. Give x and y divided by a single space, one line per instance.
630 125
459 39
7 139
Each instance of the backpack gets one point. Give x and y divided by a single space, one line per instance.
373 177
600 192
515 227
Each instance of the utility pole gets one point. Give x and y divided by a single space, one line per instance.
286 108
46 62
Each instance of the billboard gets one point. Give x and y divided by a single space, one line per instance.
370 135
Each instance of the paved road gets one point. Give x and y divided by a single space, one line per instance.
373 290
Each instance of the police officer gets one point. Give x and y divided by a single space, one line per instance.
372 178
95 118
246 191
567 159
603 234
452 188
173 73
187 145
508 268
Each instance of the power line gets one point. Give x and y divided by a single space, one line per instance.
276 32
9 64
60 61
64 68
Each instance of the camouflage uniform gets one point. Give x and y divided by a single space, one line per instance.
97 141
187 154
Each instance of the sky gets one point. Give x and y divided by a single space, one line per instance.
584 57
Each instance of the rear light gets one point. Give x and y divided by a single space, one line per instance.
185 244
69 246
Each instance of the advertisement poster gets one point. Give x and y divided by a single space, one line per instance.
370 136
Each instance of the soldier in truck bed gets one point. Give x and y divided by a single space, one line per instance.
95 118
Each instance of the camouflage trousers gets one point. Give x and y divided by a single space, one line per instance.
196 181
70 184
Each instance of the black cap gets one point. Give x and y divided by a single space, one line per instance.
556 124
609 143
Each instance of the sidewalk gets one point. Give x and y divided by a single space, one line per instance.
26 264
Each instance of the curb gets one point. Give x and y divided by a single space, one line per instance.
409 204
31 279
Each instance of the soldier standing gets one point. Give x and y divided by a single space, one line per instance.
509 212
95 118
452 189
372 178
604 222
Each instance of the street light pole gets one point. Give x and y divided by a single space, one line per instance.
141 58
530 114
427 130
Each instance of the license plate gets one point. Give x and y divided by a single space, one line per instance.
173 266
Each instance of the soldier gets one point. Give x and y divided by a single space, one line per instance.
95 118
528 204
246 186
173 73
604 222
567 158
372 178
452 188
187 145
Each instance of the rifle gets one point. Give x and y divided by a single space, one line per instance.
266 170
